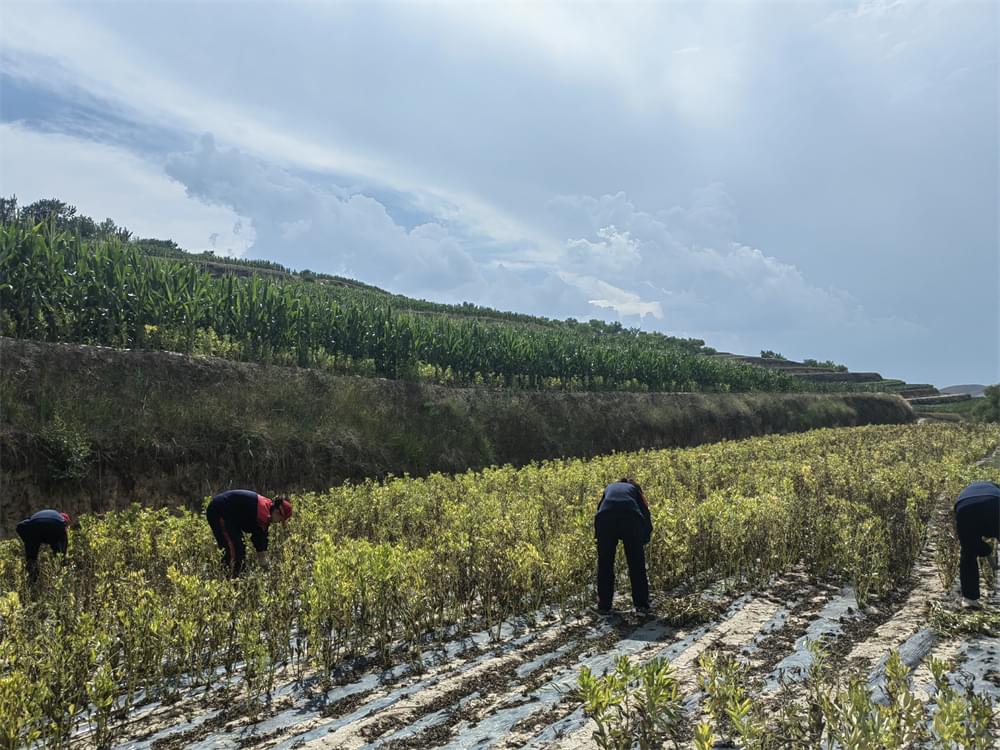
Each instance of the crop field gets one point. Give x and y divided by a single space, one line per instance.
803 588
61 288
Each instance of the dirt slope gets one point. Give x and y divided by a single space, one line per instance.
91 429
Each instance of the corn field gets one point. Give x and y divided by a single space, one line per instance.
56 287
141 611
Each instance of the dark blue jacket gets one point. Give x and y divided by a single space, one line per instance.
981 502
243 512
44 527
623 501
978 489
48 516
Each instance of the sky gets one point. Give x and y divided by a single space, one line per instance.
814 178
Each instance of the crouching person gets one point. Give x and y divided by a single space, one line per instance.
237 512
44 527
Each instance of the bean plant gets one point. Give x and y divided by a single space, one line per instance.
634 706
371 572
826 712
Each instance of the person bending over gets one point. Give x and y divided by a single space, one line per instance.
977 515
44 527
622 515
234 513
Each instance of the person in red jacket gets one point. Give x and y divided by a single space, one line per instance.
622 514
237 512
44 527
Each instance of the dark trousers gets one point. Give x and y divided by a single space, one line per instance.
36 533
974 519
609 532
231 543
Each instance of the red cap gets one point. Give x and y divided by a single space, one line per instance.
67 518
284 508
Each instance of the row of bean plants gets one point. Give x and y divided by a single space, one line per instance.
57 287
645 706
141 610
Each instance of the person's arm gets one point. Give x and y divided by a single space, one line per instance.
259 539
63 542
601 500
644 509
995 557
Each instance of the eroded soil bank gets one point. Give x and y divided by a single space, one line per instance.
91 429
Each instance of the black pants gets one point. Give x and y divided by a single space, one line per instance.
974 519
36 533
610 531
230 541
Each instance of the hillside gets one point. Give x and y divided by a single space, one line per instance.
975 391
62 288
93 428
829 377
103 286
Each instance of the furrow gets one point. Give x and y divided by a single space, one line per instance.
349 731
908 621
732 632
369 693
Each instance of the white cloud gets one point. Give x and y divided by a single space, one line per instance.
608 296
858 142
613 252
305 225
706 281
66 50
638 54
102 180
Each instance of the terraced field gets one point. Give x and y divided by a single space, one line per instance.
514 687
452 611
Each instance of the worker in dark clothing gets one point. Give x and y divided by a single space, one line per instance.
237 512
622 514
977 515
44 527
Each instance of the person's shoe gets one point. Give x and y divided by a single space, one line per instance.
645 611
971 603
603 611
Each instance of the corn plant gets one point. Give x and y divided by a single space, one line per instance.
58 287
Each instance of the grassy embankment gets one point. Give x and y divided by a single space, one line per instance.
91 428
959 410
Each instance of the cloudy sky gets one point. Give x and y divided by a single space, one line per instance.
817 178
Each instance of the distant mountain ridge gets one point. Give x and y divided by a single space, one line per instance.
975 390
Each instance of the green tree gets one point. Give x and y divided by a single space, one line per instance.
988 410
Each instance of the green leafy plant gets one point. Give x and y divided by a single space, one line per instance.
634 706
723 680
964 719
67 449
